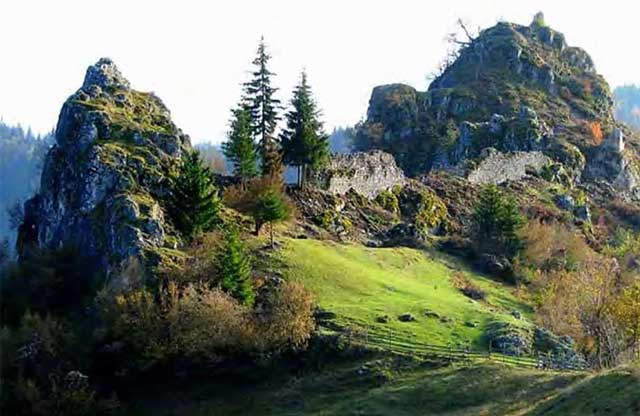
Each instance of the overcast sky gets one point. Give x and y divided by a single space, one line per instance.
195 54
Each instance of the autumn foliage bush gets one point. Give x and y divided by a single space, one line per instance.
201 323
552 246
594 129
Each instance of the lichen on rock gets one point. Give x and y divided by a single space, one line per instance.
105 179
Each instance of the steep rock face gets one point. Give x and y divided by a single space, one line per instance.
367 173
104 180
513 88
614 163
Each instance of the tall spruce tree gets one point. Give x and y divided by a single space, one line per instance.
264 112
234 268
304 142
240 148
193 204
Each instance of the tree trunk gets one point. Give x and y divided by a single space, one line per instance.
304 176
256 232
271 231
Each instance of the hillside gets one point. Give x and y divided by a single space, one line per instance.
393 378
391 282
396 387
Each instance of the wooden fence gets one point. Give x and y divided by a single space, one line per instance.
468 354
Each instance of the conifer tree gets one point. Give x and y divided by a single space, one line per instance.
304 143
264 111
496 222
234 268
240 148
193 202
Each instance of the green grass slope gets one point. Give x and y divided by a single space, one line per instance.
360 284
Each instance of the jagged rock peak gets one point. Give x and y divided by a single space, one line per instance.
104 74
105 181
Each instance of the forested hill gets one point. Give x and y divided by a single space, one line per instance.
21 157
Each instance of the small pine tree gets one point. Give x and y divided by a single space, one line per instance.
496 222
264 111
271 207
240 148
234 268
193 203
304 143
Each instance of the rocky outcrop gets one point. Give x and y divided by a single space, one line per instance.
613 163
513 87
105 178
367 173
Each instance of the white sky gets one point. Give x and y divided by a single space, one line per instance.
195 54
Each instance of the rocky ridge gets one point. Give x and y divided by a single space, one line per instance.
104 180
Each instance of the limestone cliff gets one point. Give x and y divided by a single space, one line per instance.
105 178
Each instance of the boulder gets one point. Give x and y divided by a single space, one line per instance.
403 234
565 202
508 339
495 265
406 317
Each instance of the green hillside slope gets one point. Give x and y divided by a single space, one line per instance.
361 284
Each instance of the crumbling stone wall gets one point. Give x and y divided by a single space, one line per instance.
497 167
367 173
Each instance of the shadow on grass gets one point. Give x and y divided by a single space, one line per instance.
614 393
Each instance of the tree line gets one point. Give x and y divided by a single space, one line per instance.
252 143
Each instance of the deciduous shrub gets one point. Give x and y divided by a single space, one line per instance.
468 288
40 361
552 246
201 323
262 198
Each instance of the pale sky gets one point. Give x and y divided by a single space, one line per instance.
195 54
